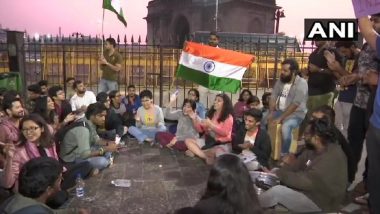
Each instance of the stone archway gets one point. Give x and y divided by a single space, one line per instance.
181 30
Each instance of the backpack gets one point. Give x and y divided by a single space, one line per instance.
60 134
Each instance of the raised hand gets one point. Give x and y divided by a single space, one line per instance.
330 56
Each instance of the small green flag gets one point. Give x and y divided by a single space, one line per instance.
115 6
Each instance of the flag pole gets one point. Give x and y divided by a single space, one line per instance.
102 31
216 15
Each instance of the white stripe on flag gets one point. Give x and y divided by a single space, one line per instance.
215 68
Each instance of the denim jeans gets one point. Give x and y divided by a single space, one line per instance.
143 133
373 154
342 116
107 85
294 201
287 127
98 162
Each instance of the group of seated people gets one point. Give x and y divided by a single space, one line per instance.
84 131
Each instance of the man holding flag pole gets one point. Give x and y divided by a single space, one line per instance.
110 61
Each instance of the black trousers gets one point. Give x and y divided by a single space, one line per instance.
69 180
356 132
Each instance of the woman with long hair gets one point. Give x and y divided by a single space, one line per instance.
217 129
44 106
193 94
242 104
36 140
229 189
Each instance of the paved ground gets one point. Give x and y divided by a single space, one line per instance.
162 181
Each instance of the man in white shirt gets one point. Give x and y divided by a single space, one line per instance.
82 98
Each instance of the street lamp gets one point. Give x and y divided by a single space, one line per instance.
277 16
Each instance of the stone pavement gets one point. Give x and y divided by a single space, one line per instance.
162 181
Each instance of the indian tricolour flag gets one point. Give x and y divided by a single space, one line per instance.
213 68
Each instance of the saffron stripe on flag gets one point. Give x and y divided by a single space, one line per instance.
219 54
219 69
209 81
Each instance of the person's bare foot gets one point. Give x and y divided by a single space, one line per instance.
189 153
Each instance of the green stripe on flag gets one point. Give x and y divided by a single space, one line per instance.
107 4
209 81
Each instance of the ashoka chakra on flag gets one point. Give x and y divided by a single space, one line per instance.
214 68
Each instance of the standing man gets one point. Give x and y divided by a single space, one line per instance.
110 63
213 41
373 133
350 52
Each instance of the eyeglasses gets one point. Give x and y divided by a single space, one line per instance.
33 129
144 101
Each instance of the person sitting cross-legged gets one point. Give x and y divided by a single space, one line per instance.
251 142
39 180
185 127
80 141
82 97
149 119
113 124
315 181
217 129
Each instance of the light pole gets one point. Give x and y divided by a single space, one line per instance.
277 16
216 15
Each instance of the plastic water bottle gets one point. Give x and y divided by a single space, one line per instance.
79 186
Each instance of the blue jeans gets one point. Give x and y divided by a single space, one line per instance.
107 85
287 127
143 133
98 162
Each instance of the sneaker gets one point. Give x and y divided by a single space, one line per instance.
363 200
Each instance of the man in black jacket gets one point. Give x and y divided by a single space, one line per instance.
252 142
329 112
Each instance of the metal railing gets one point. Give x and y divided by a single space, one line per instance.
145 66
